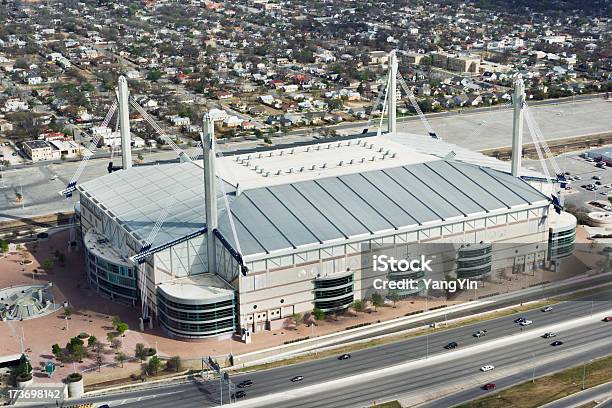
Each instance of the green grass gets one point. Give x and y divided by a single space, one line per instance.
547 389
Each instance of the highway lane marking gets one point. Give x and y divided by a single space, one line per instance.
401 368
113 403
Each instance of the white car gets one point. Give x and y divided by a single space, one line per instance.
547 309
526 323
486 368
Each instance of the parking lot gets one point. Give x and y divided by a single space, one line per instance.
587 172
9 154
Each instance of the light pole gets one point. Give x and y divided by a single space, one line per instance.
534 368
584 373
427 344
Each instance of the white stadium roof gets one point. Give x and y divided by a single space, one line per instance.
329 204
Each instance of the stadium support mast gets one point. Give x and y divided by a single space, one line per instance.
392 125
124 122
210 193
518 102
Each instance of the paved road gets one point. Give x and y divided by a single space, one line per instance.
317 371
602 392
465 371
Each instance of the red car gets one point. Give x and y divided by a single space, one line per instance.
489 386
607 319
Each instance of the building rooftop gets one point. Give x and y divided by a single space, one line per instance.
303 211
197 289
102 248
290 165
37 144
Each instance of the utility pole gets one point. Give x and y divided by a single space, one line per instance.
124 122
518 102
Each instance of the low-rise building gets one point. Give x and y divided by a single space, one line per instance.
41 150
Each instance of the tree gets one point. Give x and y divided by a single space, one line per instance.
377 300
116 321
358 305
154 365
174 363
56 350
99 361
110 336
318 314
77 352
4 246
120 358
98 347
47 263
122 328
91 341
298 319
394 297
140 351
154 75
116 344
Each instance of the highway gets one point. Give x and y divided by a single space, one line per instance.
465 371
601 393
206 393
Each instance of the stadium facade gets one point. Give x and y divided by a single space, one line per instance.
295 229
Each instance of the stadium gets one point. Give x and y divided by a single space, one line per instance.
248 240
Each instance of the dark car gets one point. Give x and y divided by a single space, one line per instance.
240 394
344 357
451 345
556 343
297 378
489 386
245 384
